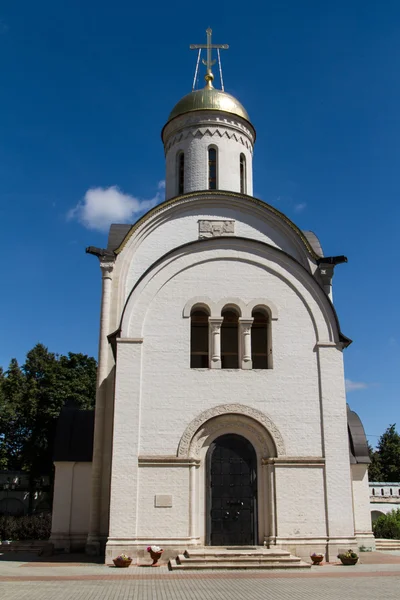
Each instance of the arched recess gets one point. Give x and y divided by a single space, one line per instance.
227 302
265 304
254 424
199 302
321 312
375 514
198 437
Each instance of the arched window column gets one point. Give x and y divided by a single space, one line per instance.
245 342
215 332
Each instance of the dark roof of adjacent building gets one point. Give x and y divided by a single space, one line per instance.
358 445
75 429
74 435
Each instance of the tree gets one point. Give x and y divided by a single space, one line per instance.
388 526
389 454
12 427
375 468
31 399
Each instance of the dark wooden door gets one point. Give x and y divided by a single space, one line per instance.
232 480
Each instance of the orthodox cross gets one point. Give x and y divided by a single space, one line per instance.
209 62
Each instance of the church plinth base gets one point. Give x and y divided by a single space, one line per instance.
95 546
137 549
304 547
367 540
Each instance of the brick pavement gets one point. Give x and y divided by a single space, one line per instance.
378 576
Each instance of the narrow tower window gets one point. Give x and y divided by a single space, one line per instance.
212 169
181 173
243 183
230 340
199 340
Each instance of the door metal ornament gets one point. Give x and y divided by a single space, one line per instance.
232 492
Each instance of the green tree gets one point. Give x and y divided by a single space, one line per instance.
389 454
388 526
374 469
31 398
13 433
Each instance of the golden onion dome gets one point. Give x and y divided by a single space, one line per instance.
209 98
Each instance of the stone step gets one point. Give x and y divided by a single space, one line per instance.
385 544
174 565
235 558
238 559
209 552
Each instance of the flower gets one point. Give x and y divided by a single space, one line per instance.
154 549
123 557
348 554
317 554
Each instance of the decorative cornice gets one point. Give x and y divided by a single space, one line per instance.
186 198
295 461
167 461
211 132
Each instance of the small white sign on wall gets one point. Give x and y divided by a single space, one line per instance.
163 501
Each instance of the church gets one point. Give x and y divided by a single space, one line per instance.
221 416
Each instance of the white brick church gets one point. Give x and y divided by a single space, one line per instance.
221 415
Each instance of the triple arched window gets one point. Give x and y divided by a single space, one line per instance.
229 341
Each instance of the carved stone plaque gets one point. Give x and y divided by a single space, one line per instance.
163 501
209 229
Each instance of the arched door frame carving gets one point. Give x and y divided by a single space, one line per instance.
267 441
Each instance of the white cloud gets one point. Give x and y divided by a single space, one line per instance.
352 386
102 206
300 207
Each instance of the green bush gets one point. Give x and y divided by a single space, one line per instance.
388 526
35 527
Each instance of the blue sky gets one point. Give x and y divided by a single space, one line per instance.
85 89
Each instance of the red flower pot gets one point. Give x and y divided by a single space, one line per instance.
156 557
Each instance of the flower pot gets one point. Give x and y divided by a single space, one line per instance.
156 557
121 563
349 561
317 559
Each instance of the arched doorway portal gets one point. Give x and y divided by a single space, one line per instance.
232 492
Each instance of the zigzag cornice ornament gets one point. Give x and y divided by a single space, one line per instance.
206 120
210 132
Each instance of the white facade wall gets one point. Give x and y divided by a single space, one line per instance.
70 518
157 395
385 489
182 226
193 134
288 393
362 513
384 497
